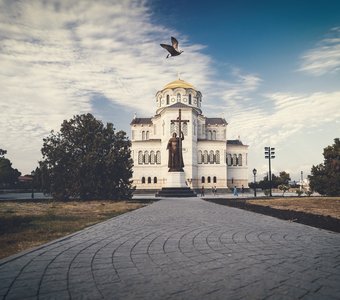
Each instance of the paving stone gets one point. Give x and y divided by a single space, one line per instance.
53 286
181 249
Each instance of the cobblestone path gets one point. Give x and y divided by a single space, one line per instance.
180 249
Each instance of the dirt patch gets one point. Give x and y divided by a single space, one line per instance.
24 225
320 212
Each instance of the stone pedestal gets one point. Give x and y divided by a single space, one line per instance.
176 187
175 180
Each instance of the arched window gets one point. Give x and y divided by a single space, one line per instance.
149 179
143 180
214 179
203 179
167 99
189 98
217 157
143 135
240 160
178 97
146 157
158 157
205 156
147 135
209 179
140 157
209 135
155 180
234 160
152 157
213 135
229 160
211 157
199 157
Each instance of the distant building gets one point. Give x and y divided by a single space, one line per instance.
25 178
209 158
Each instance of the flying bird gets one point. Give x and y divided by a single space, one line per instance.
173 50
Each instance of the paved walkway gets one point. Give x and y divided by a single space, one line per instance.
181 249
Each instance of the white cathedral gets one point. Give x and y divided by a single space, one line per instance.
210 159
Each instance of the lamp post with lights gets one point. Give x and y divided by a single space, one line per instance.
269 153
254 172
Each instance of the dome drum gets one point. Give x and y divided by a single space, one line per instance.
178 91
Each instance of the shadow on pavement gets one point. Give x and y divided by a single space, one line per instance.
318 221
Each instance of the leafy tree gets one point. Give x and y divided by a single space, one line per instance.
325 178
2 152
8 175
42 178
264 183
87 160
282 179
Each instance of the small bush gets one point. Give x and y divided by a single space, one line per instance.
284 188
266 192
308 193
299 192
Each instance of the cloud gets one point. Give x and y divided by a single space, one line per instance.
61 58
325 58
299 126
56 55
291 113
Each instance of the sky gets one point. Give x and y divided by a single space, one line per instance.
270 68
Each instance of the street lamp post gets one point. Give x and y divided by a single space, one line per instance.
254 172
269 153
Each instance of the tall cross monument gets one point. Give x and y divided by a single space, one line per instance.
175 163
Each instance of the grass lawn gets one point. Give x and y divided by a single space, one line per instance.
24 225
324 206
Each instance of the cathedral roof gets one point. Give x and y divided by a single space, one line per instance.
179 83
182 105
179 105
234 142
141 121
216 121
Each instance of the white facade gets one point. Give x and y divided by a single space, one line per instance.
209 158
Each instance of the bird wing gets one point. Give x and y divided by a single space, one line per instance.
174 43
170 49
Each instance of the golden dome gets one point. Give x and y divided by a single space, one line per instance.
179 83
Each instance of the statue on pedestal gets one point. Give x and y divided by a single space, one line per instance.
175 162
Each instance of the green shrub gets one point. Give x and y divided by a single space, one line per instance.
284 188
299 192
266 192
308 193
